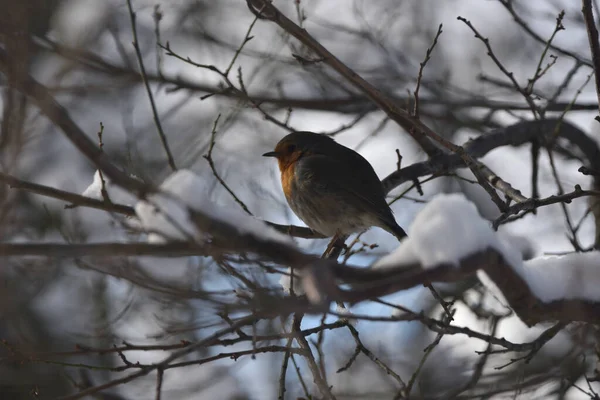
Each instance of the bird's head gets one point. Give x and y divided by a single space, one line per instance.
298 144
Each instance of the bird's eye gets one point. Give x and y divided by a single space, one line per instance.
291 148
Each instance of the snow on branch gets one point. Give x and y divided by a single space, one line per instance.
448 242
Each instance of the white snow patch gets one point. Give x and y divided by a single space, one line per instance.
166 214
448 229
115 193
571 276
95 189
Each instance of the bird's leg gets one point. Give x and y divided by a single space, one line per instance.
335 246
329 249
333 251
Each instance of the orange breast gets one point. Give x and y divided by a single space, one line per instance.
287 178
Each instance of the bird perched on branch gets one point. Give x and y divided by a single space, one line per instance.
332 188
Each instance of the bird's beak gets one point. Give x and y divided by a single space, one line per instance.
270 154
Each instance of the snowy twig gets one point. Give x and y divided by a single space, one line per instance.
368 284
72 198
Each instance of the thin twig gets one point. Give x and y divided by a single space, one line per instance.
479 366
246 39
539 72
405 392
138 52
159 382
208 157
508 4
534 203
537 345
421 68
361 348
507 73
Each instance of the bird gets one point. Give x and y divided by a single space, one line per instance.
331 188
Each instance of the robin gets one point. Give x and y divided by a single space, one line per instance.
330 187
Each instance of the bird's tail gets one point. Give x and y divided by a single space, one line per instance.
396 230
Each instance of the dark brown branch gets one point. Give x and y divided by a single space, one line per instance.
514 135
590 23
235 355
478 369
538 343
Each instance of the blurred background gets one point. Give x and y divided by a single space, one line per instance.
82 51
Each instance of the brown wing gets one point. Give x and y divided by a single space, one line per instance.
355 179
